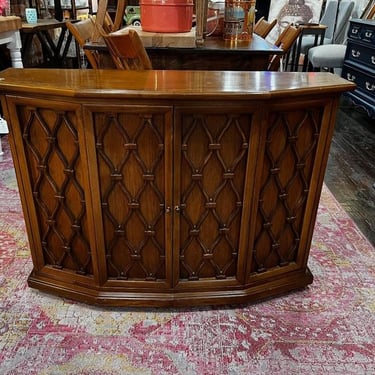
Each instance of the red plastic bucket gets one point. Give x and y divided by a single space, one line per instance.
166 16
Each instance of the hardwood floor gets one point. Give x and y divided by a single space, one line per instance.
350 173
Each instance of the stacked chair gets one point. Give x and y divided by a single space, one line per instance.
263 27
127 50
88 30
125 46
82 32
285 41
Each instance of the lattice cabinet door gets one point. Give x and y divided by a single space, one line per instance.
130 150
211 152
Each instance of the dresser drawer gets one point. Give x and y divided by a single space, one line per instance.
364 32
360 54
368 35
354 31
362 101
365 81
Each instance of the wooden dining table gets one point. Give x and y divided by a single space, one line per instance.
54 50
10 36
213 54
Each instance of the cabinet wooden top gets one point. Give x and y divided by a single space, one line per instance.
169 83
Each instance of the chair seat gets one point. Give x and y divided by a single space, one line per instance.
308 42
327 56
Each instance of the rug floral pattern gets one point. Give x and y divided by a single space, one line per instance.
327 328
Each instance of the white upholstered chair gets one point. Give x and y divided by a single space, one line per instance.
331 56
327 56
328 19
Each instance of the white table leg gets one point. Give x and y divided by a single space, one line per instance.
12 40
15 50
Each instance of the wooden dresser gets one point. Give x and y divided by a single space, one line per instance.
166 188
359 64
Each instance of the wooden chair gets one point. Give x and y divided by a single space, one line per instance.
263 27
285 41
127 50
331 56
82 32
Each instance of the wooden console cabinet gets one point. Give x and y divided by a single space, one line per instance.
169 188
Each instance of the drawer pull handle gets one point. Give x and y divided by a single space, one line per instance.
355 53
355 31
370 87
350 77
373 59
368 34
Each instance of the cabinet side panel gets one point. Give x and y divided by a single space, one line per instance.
52 168
290 150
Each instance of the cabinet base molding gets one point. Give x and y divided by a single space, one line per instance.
102 297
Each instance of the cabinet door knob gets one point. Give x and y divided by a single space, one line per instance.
177 208
373 59
168 210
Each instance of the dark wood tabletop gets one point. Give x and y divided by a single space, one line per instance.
214 54
42 24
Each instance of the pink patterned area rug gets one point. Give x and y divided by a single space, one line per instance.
328 328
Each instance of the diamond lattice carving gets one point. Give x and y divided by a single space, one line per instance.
52 151
286 179
130 148
214 150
